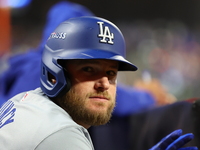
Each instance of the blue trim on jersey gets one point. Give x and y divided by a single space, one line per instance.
7 113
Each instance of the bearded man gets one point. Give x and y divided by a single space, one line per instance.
78 78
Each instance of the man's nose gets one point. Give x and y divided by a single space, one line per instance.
102 84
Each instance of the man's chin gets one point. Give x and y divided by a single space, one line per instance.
100 116
96 109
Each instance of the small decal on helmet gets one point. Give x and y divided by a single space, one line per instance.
105 34
58 35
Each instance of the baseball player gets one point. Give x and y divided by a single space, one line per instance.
78 77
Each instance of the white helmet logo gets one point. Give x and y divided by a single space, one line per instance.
105 34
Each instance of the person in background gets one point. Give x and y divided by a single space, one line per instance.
157 90
17 77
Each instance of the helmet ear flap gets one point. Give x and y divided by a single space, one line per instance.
67 86
54 83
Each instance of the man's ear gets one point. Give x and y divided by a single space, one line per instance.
51 78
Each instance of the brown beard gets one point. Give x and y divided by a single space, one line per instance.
75 105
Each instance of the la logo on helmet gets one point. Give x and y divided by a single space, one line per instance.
105 34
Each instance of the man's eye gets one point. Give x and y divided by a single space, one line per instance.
111 73
88 69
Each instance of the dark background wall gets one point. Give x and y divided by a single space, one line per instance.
28 22
187 11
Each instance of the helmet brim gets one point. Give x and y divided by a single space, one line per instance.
124 65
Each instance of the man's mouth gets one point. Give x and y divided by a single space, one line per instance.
99 98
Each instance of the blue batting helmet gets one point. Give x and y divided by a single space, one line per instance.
85 37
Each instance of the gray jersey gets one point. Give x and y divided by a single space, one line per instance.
31 121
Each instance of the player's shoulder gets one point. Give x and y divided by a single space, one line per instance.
36 109
30 113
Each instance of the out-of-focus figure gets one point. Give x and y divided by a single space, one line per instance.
22 74
152 85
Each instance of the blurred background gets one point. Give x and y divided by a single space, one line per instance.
163 38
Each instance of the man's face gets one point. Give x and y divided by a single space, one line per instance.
91 98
